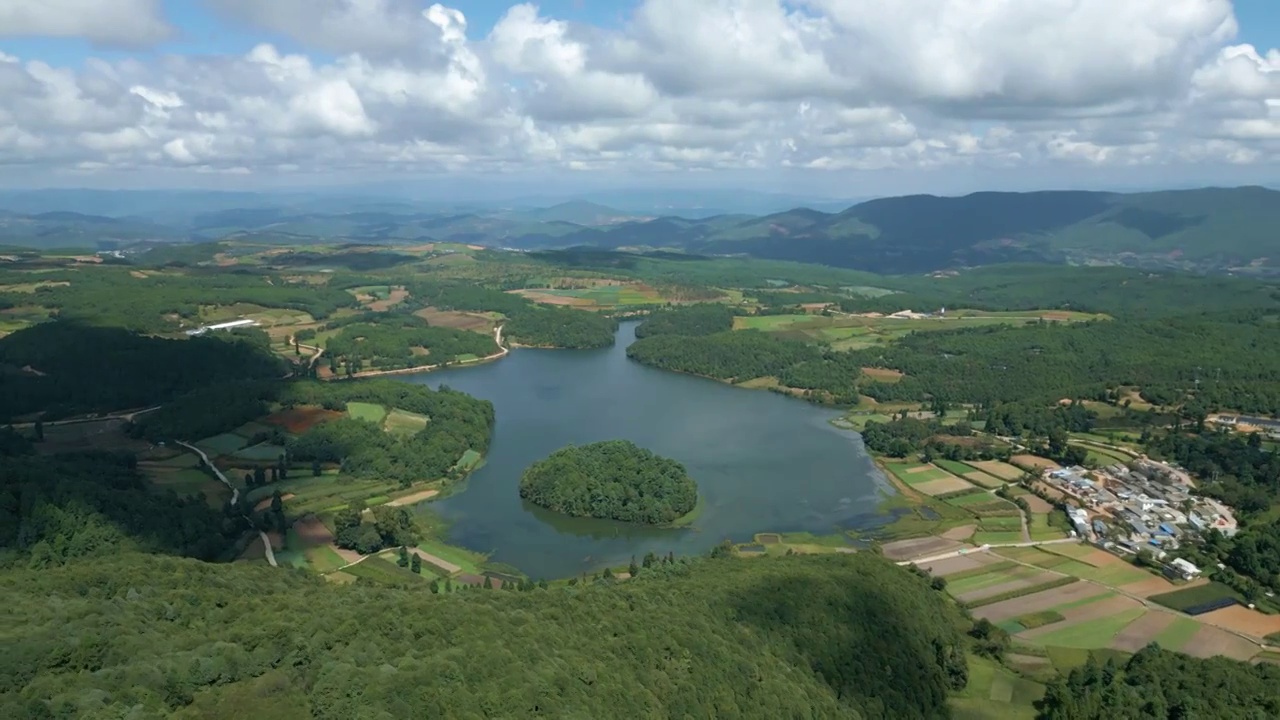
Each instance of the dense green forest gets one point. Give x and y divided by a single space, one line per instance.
737 356
723 638
77 368
906 436
1162 685
701 319
560 328
399 340
1232 358
54 510
611 480
458 423
158 302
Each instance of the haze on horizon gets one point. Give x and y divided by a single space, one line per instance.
828 98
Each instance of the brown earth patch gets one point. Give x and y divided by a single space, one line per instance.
413 498
883 374
540 296
277 540
301 419
1056 315
396 296
943 486
254 550
1241 619
995 468
1049 490
1037 504
455 319
983 480
1151 586
959 563
1034 462
1211 642
919 469
918 547
1085 614
1046 600
1004 587
964 532
1139 633
1101 559
265 503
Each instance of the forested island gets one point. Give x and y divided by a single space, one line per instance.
611 480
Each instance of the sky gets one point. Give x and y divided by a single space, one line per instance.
829 98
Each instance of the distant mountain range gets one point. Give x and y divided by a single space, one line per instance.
1210 229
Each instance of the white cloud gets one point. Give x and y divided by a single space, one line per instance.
375 86
109 22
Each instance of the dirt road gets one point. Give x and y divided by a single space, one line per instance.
235 497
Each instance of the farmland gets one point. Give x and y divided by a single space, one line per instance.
856 332
1096 604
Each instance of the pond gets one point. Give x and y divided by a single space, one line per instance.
763 462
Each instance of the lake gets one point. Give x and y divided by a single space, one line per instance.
763 462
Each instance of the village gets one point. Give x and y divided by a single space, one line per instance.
1144 505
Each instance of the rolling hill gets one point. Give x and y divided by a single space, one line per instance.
1204 230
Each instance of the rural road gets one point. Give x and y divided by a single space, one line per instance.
80 421
235 497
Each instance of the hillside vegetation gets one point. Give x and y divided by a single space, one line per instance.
611 480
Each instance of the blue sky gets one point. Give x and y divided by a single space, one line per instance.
203 32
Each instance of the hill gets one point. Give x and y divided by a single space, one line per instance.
1210 229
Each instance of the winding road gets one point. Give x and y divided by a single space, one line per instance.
235 497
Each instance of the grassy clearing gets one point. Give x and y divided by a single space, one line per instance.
469 460
953 467
469 561
379 571
1041 529
404 422
996 538
1040 619
983 570
366 411
1178 633
1098 633
224 444
991 579
995 693
323 559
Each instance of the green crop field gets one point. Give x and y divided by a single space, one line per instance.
995 693
1114 575
366 411
996 537
974 497
469 561
991 579
224 444
323 559
402 421
953 467
1178 633
261 452
1097 633
1191 597
1041 530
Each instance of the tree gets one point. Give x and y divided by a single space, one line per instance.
633 569
650 559
416 564
248 480
39 430
404 557
277 502
488 583
259 476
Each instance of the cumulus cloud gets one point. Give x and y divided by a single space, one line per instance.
126 23
839 85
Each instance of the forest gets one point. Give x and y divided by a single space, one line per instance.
560 328
611 480
1227 362
1162 685
736 356
95 505
76 368
700 319
459 423
158 301
399 340
715 637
